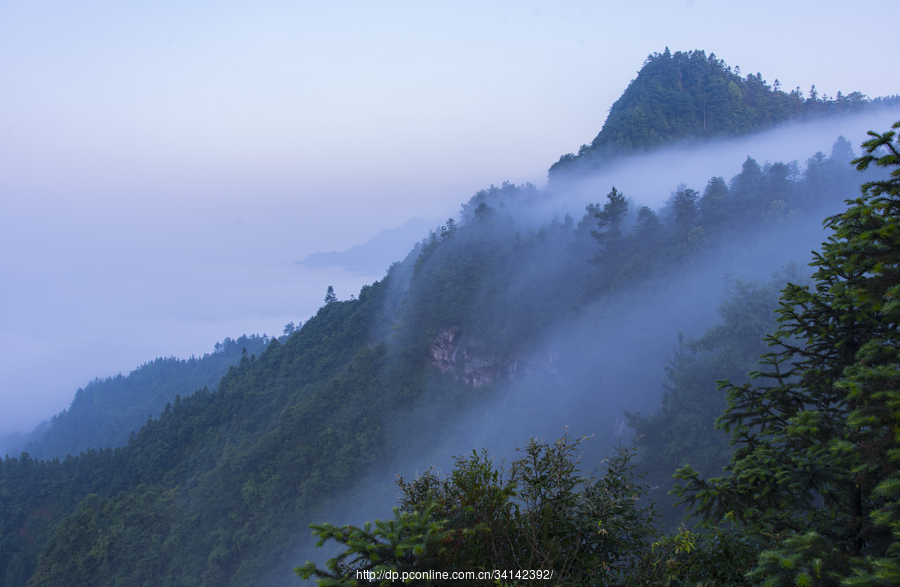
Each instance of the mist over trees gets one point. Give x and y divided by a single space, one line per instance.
510 324
809 492
819 433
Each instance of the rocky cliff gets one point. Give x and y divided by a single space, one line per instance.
468 361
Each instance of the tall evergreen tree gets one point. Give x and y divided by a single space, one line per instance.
748 190
713 206
685 211
609 223
648 225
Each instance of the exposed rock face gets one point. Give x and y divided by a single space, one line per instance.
443 349
451 352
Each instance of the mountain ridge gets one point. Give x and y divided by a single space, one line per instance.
377 253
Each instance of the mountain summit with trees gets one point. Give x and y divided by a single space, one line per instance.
686 96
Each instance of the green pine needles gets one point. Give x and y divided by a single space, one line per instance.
413 540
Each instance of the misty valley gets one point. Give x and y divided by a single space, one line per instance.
560 386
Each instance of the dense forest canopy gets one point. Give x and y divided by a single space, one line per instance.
498 327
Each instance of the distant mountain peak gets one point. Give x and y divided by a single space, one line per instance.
689 96
376 254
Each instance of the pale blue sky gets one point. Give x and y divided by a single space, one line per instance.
148 151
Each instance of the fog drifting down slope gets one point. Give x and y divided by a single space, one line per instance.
612 354
649 179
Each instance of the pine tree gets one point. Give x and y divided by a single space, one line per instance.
609 220
329 295
815 470
685 211
713 206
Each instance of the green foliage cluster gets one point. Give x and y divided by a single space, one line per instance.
541 514
129 535
687 95
36 495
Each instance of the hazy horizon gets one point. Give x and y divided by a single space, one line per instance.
162 167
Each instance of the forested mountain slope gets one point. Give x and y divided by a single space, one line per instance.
107 411
219 488
504 325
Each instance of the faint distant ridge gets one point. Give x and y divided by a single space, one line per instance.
686 96
376 254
